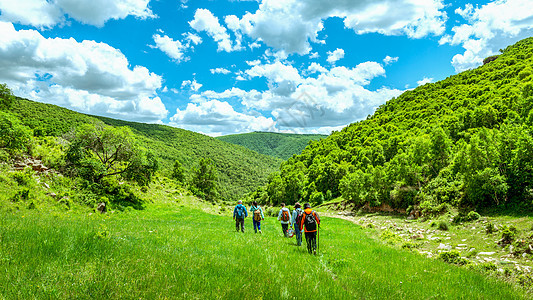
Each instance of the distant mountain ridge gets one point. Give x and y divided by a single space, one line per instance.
280 145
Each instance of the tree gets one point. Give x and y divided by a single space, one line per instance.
6 96
14 137
205 180
99 151
178 172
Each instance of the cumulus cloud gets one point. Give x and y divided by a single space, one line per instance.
490 28
424 81
176 49
220 71
330 100
192 85
334 56
47 14
86 76
214 117
204 20
389 60
293 24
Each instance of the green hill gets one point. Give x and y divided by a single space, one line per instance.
464 141
280 145
240 170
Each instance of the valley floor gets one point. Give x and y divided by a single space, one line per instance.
170 250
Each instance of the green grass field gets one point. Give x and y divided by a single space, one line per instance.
170 250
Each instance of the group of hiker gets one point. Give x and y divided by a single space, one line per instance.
301 220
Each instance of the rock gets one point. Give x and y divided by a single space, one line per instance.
417 237
486 253
101 207
20 165
444 247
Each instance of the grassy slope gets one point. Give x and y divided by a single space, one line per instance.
240 170
171 250
280 145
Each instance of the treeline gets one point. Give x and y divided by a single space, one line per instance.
280 145
466 141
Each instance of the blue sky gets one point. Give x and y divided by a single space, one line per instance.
223 67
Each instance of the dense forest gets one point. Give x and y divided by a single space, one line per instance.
466 141
62 139
280 145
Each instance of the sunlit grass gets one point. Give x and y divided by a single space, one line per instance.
178 252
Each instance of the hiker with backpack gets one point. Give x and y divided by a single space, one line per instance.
297 215
257 213
284 216
239 213
311 222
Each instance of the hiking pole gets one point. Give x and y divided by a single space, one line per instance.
317 238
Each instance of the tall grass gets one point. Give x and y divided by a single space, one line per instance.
179 252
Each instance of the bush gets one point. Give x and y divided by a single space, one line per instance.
453 257
508 235
429 208
390 237
471 216
490 228
443 225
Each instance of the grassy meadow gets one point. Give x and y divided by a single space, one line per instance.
170 250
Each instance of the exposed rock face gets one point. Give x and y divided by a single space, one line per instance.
35 164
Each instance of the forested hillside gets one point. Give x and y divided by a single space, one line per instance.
280 145
239 170
465 141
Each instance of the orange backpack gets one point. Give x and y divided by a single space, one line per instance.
285 215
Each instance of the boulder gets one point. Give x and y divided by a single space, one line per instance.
101 207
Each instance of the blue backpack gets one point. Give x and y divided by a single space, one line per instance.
239 213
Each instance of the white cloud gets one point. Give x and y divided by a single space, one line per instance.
47 14
389 60
86 76
216 117
253 62
293 24
193 85
204 20
220 71
176 49
328 101
424 81
490 27
334 56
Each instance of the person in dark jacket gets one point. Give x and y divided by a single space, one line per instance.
239 213
294 220
311 222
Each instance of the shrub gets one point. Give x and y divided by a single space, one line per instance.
429 208
525 280
390 237
462 217
21 195
508 235
490 228
317 198
443 225
453 257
